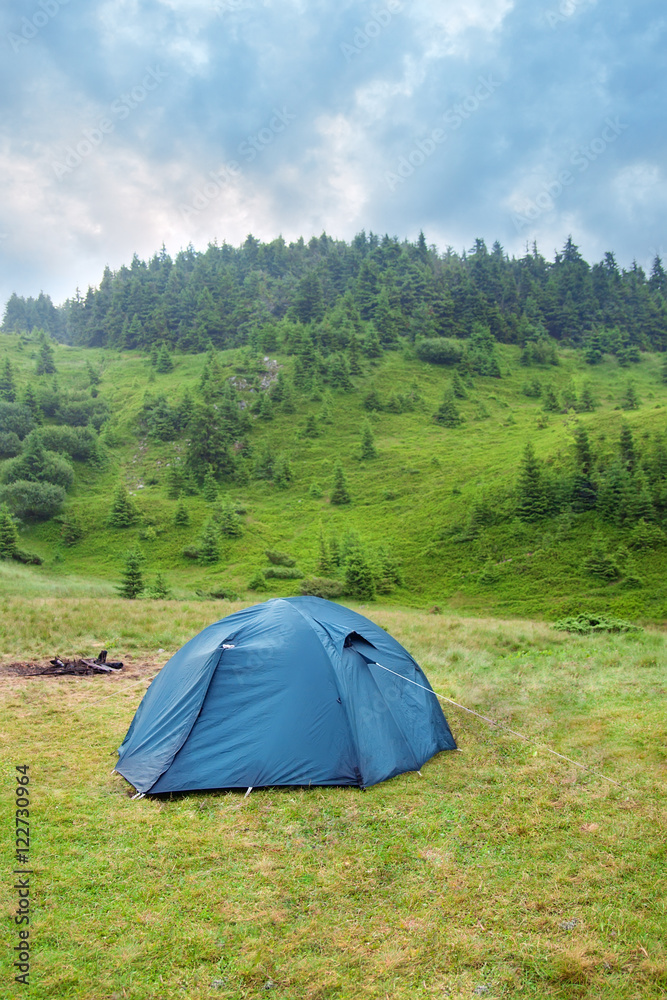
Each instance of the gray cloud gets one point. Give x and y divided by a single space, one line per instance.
317 105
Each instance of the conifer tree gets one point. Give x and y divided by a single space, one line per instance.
627 447
311 429
30 400
94 376
209 548
583 449
9 538
630 400
339 373
663 370
550 401
340 493
164 364
359 579
123 511
324 563
532 500
46 364
160 589
7 383
458 388
368 449
282 472
265 411
587 401
132 583
448 415
181 517
229 520
210 486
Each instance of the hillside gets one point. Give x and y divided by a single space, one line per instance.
450 512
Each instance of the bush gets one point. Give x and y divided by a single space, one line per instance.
80 443
585 623
10 444
282 573
33 501
191 552
258 582
219 594
28 558
646 536
279 558
439 351
15 418
43 467
321 586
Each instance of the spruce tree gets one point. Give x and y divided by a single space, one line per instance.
549 400
531 493
30 400
583 449
209 489
627 448
282 472
368 449
340 493
123 511
228 520
448 415
46 364
324 563
133 581
458 388
7 383
265 409
160 589
164 363
181 517
209 548
587 401
630 400
359 579
9 538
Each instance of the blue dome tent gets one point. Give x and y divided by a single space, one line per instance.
298 691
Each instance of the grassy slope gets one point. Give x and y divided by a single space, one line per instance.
468 877
433 474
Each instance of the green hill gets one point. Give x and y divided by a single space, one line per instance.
442 515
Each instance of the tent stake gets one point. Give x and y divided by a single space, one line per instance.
248 792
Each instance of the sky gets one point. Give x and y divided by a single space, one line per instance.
126 124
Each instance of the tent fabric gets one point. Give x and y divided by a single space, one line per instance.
288 692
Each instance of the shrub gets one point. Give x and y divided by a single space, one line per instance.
282 573
257 581
279 558
321 586
439 351
219 594
10 444
646 536
15 418
191 552
586 622
33 501
80 443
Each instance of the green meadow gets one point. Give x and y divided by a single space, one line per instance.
501 871
415 496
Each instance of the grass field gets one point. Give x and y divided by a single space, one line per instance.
503 871
415 497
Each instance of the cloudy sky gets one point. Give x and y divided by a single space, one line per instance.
129 123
